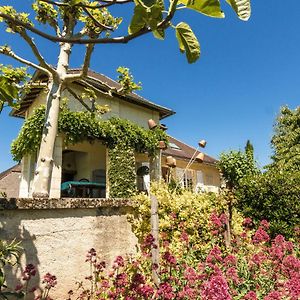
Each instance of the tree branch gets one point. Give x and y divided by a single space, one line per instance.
79 99
87 59
108 94
86 64
8 52
96 21
116 40
35 51
106 3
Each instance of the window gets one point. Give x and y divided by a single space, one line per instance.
185 177
174 146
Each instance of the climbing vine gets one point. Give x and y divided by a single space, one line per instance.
121 171
86 126
122 138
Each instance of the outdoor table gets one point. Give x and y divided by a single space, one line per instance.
82 189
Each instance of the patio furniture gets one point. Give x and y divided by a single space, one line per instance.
83 189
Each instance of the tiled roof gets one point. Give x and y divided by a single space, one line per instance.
15 168
185 151
101 82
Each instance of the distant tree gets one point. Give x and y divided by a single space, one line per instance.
90 23
236 165
249 150
286 140
274 195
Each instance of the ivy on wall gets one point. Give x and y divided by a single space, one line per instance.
121 171
122 137
85 126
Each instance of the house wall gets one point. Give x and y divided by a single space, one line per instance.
56 239
118 108
10 184
210 174
89 156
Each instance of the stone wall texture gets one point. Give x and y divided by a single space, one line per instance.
56 240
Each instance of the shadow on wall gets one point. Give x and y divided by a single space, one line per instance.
13 274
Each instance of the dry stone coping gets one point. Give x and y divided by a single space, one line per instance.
61 203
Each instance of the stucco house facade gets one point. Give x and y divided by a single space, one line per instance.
87 161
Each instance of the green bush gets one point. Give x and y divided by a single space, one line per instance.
188 211
273 196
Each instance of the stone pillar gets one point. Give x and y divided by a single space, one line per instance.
106 174
57 168
155 166
25 177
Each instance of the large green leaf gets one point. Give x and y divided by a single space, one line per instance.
211 8
241 7
138 20
188 42
8 92
150 16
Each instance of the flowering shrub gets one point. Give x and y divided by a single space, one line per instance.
26 291
255 267
187 213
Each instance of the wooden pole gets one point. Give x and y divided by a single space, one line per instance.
155 175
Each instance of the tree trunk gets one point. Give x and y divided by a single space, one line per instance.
43 173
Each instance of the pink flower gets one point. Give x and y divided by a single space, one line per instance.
184 237
250 296
169 258
230 260
166 291
247 222
50 280
29 272
293 287
274 295
258 258
232 274
119 261
214 255
215 220
265 224
260 236
216 289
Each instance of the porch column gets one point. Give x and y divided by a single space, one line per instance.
56 169
106 174
155 166
25 177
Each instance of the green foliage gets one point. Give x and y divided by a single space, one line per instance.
234 166
45 13
94 17
10 78
241 7
273 196
286 140
126 80
9 255
121 171
12 27
29 138
211 8
189 212
81 126
188 42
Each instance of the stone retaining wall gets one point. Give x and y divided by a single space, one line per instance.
56 235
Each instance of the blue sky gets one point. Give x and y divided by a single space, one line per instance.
247 70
